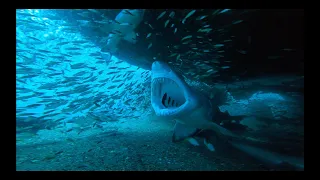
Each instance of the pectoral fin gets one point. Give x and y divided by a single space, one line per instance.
193 141
182 132
208 145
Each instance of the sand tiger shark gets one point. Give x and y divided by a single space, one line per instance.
173 98
121 42
123 28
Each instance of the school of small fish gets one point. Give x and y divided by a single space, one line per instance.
63 78
191 52
198 55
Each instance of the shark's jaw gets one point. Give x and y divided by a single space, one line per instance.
170 95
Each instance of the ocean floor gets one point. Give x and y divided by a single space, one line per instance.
136 145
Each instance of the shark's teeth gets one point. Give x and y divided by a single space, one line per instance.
163 80
159 86
158 80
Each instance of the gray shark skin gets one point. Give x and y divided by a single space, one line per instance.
124 29
132 54
125 25
171 97
123 45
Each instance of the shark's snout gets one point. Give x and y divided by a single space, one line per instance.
160 66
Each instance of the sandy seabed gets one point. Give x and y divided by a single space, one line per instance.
132 145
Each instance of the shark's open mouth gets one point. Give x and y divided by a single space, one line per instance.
167 96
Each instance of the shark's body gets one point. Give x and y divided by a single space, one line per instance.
271 159
122 43
171 97
123 36
134 55
125 24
